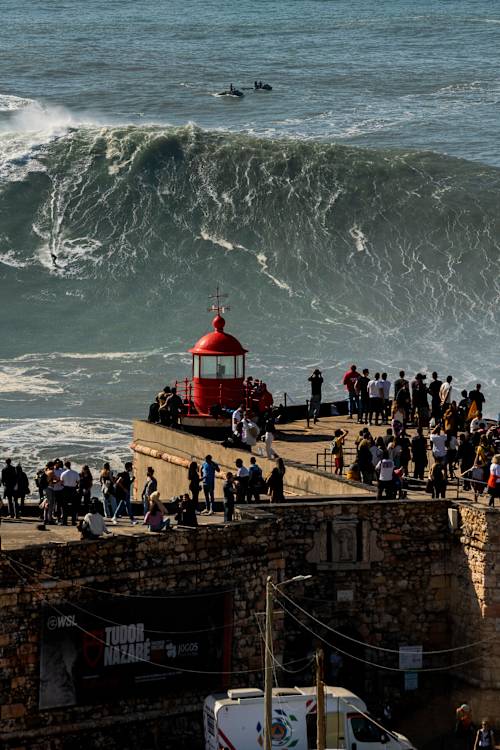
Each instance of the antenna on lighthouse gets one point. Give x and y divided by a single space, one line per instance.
217 306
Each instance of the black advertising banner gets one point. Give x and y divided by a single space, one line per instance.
108 650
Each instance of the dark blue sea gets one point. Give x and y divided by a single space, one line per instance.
351 214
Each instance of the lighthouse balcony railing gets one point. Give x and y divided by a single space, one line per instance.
185 389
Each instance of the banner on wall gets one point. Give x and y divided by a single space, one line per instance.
108 650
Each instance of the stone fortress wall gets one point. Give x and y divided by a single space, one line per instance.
387 573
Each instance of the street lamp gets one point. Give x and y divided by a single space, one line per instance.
268 674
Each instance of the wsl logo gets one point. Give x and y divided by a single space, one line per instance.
61 621
281 730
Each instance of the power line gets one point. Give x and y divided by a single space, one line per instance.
374 664
137 658
380 648
118 593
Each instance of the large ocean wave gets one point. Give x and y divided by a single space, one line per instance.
328 252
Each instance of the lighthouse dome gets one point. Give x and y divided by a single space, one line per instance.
217 341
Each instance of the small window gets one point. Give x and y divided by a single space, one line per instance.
240 366
365 730
208 367
196 366
225 367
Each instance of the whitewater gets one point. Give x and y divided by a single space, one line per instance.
357 224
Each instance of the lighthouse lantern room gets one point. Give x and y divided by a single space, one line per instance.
218 366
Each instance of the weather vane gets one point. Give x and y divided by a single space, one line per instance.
217 306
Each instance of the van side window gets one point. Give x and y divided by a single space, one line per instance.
365 730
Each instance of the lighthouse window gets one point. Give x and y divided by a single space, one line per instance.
240 367
208 367
196 366
225 367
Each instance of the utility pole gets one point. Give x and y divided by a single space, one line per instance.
268 674
320 702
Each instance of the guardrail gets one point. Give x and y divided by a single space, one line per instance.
325 461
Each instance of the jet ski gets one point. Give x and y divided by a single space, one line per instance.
263 87
232 92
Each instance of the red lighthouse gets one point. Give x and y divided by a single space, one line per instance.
218 367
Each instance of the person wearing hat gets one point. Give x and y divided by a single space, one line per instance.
419 403
316 381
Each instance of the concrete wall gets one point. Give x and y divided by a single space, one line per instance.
170 452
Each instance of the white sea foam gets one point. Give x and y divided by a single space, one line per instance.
10 258
26 381
92 441
10 103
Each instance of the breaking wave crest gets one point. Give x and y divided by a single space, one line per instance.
386 254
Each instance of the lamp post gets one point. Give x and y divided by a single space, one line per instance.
268 664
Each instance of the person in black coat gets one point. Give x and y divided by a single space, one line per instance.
9 482
22 489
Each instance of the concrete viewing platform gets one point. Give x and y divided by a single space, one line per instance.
308 477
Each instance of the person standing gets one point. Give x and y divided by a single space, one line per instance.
58 489
385 473
269 435
434 389
69 481
400 383
419 454
445 394
476 397
316 381
484 737
363 400
375 398
85 483
123 485
438 480
242 477
194 483
349 380
150 486
274 485
466 454
438 444
386 403
228 490
338 449
9 481
494 480
254 481
22 488
174 407
107 482
49 502
208 471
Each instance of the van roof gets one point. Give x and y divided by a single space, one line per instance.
236 696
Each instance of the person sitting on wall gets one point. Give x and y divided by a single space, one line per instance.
154 411
155 518
93 526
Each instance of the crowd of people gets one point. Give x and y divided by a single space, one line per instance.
458 436
66 496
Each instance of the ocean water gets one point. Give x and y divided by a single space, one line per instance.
351 214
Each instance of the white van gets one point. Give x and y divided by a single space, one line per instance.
235 721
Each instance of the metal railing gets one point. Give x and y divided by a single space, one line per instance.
325 461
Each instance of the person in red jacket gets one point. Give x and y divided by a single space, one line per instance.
349 380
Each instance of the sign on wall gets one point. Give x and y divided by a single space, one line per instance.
410 657
108 650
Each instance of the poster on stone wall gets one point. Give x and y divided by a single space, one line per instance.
95 651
